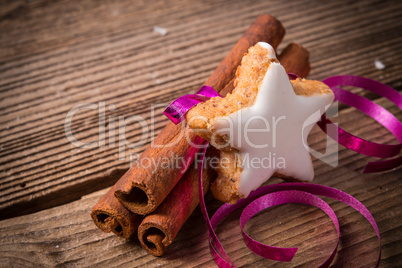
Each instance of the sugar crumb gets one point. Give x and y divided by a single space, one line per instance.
378 64
160 30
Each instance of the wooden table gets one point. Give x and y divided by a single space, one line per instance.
56 55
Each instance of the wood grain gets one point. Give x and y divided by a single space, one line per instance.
57 54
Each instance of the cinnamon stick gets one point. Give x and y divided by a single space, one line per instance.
158 230
295 58
111 216
142 189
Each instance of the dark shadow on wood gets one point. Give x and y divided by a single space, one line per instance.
62 196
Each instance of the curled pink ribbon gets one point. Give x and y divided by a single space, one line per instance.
273 195
373 110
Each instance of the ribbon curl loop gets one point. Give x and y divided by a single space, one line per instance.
375 111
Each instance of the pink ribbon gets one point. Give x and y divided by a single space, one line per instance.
373 110
273 195
179 107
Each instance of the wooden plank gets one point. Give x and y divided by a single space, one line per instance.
55 55
127 65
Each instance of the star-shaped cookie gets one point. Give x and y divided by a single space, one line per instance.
261 128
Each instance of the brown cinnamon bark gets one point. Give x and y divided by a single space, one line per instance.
111 216
141 189
158 230
295 58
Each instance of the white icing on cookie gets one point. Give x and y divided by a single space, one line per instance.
271 50
271 135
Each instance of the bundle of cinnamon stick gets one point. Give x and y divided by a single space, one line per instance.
157 203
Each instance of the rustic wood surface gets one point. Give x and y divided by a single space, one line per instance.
57 54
